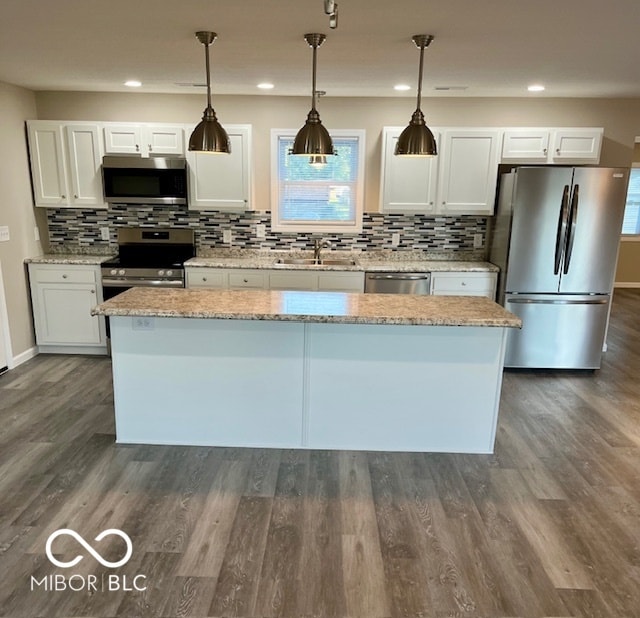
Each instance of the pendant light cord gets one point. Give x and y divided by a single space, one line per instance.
206 56
313 79
422 46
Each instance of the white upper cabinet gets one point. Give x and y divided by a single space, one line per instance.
577 145
144 139
85 160
65 164
552 145
408 184
222 181
48 171
468 171
525 145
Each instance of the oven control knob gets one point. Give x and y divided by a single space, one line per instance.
161 273
169 273
113 271
121 272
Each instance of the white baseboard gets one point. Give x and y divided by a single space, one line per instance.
626 284
23 357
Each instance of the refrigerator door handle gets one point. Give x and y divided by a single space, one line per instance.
562 229
536 301
573 220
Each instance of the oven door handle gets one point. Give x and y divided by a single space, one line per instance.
142 283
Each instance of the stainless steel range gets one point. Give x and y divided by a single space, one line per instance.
149 257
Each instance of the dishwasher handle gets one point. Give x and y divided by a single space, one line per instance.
394 277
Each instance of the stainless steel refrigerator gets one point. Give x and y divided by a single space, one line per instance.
555 238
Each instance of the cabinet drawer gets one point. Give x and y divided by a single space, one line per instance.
206 278
246 280
460 282
64 275
293 281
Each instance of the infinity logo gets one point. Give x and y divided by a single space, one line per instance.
93 552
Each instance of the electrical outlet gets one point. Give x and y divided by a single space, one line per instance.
395 239
104 233
261 230
227 237
36 233
142 323
4 233
477 241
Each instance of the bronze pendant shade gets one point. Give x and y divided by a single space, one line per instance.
417 139
209 135
313 138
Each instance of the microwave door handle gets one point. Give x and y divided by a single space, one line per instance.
562 230
573 221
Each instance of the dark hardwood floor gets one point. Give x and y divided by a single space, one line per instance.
547 526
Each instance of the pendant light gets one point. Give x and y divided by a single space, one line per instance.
313 138
417 139
209 136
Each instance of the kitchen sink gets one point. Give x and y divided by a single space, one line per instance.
338 262
312 262
307 261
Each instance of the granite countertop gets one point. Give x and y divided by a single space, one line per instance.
69 258
335 307
362 263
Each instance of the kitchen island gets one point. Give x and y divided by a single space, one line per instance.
307 369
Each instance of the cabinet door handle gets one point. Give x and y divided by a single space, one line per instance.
75 197
137 147
64 276
150 149
93 291
544 151
64 197
463 284
204 278
246 280
557 150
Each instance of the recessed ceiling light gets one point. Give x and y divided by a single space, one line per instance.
265 86
401 87
133 83
535 88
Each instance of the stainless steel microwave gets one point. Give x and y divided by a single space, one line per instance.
156 180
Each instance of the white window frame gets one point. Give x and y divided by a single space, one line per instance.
631 237
319 227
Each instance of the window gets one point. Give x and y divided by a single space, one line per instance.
631 222
317 198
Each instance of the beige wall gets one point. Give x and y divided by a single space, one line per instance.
17 212
620 119
628 271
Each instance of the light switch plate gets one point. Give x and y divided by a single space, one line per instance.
4 233
104 233
261 230
477 241
395 239
227 237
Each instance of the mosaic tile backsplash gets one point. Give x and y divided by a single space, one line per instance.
80 229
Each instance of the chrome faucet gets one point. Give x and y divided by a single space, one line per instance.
318 245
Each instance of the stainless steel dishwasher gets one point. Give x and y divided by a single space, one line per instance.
397 283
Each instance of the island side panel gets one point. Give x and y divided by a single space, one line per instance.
208 382
404 388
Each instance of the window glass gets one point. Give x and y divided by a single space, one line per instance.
631 223
318 197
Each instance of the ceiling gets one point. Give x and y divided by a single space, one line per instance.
576 48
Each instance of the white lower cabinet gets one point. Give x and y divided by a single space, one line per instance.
62 297
464 284
303 280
